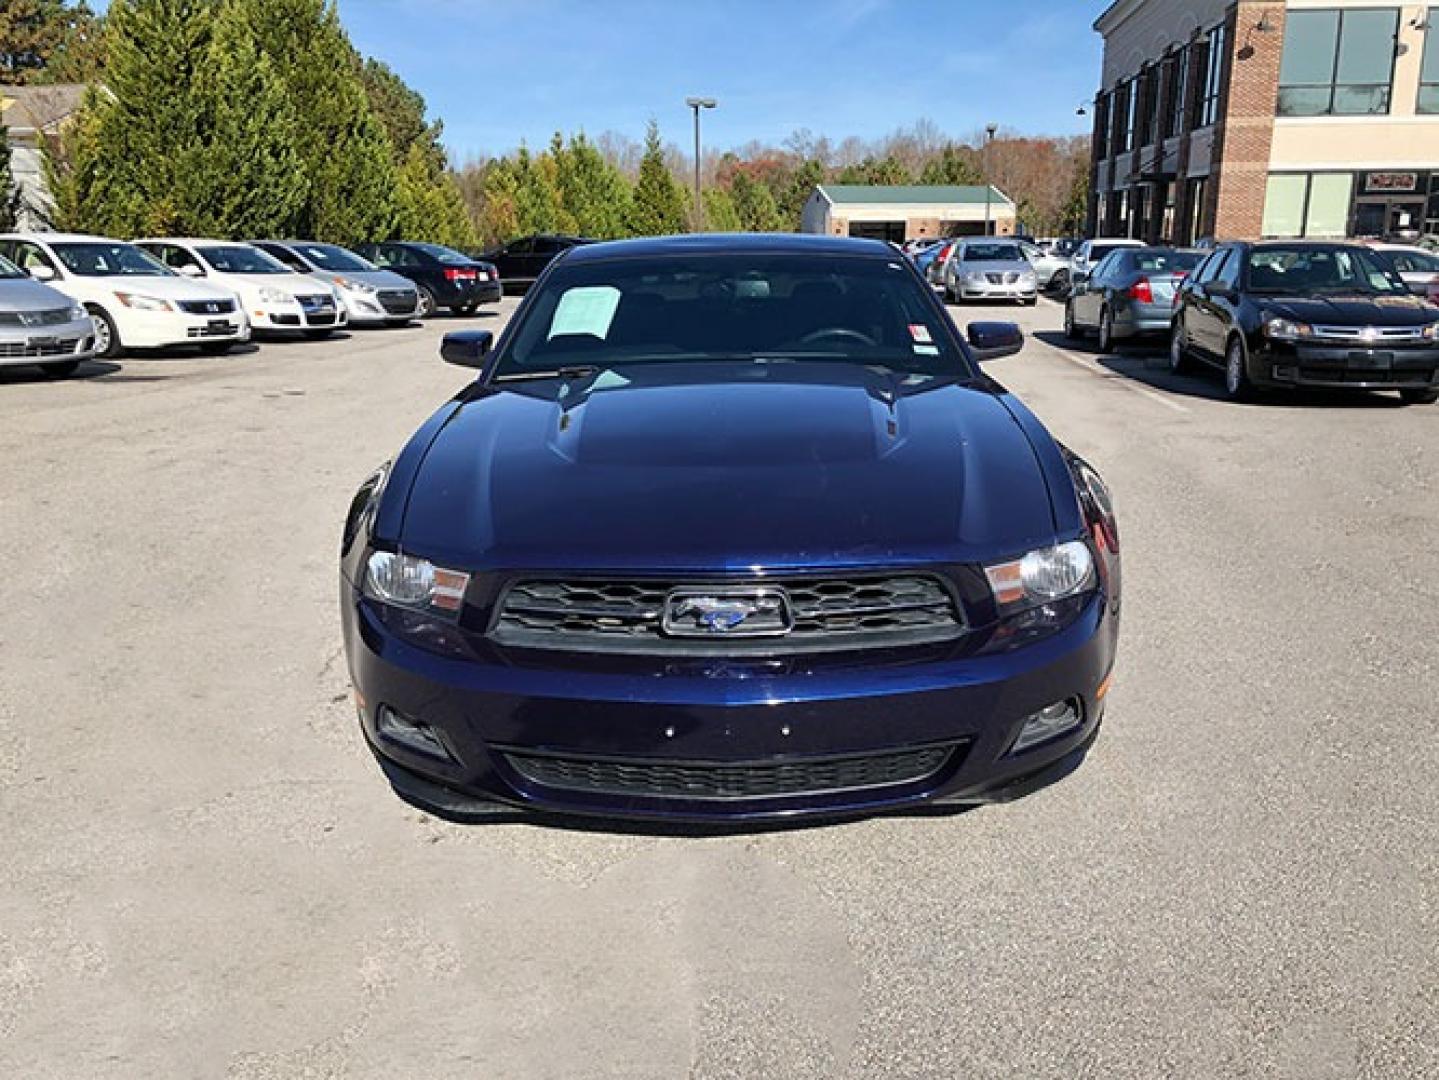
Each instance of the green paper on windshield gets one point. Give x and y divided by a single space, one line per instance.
586 310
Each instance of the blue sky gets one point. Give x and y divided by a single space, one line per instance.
501 71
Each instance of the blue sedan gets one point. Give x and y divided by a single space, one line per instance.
729 529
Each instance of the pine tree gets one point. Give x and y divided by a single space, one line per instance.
48 41
955 165
9 197
755 205
658 206
593 192
128 166
343 148
796 193
430 207
720 212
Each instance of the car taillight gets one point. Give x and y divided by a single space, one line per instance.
454 273
1141 292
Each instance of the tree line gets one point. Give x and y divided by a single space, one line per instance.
235 118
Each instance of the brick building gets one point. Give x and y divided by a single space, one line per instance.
1262 118
907 212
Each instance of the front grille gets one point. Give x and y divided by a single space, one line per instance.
316 303
52 317
220 330
627 616
207 307
1336 376
15 350
1002 279
322 318
760 780
398 301
1371 335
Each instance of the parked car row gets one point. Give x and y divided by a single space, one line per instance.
1276 314
66 298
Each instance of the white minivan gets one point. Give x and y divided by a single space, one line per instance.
274 296
135 301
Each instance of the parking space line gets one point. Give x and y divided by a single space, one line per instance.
1099 369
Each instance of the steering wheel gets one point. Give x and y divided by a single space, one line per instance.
843 332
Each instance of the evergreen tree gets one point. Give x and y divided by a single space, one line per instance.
48 41
538 204
430 205
754 205
658 206
130 160
797 191
9 196
248 178
593 192
886 171
954 165
720 212
343 148
401 110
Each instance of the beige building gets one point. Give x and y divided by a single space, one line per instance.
33 115
907 212
1265 118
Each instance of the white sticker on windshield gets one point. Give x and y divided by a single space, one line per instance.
920 333
927 350
586 310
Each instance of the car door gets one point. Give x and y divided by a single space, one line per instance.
1089 293
546 248
1204 317
518 260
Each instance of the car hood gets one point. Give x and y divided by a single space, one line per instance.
294 284
380 279
698 469
1398 310
165 288
27 294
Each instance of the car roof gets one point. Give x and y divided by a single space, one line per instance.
721 243
192 241
59 237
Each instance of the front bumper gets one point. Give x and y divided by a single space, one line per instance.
1339 367
705 718
971 290
58 344
369 309
161 329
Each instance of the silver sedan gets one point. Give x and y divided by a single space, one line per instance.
41 326
990 268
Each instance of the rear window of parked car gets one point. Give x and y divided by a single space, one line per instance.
444 254
992 253
1166 262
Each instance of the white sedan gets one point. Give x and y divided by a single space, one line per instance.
275 297
135 302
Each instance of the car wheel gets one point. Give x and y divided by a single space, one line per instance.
427 303
61 370
319 334
1419 397
1060 282
107 338
1237 386
1106 330
1071 328
1179 361
216 348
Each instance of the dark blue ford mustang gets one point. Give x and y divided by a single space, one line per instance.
730 528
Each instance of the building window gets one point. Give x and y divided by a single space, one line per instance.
1197 191
1149 106
1124 117
1208 103
1338 63
1309 205
1178 91
1429 76
1129 119
1101 127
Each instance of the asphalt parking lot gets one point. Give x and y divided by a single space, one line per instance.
206 876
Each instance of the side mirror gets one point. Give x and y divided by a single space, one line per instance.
191 270
467 348
42 272
994 340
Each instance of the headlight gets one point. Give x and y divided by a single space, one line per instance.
974 277
1431 332
408 582
1041 577
143 303
350 285
77 313
1287 330
275 296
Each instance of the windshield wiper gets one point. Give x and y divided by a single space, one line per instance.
568 373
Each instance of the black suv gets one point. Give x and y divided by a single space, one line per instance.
1297 313
522 261
444 277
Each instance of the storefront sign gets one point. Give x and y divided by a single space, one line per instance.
1391 181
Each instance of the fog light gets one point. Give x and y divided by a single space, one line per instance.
411 734
1050 723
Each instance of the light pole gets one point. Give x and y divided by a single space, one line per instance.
698 103
989 133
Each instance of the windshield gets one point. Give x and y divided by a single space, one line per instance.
1099 251
726 307
238 259
444 254
1166 262
992 253
338 259
9 269
1305 271
1412 261
102 259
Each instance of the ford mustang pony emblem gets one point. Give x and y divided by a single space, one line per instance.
761 611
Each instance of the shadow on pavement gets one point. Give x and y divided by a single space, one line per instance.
90 369
1148 363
